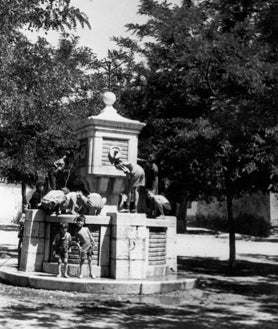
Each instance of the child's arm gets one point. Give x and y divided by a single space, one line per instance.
93 242
77 242
69 242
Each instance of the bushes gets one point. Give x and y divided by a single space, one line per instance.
244 224
252 225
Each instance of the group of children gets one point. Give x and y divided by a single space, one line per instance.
63 242
141 185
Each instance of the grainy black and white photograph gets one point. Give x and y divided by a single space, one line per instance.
139 164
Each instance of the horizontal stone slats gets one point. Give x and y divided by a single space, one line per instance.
107 144
157 246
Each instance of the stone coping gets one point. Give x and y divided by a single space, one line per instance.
40 280
101 220
119 219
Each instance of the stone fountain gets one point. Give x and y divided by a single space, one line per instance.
130 246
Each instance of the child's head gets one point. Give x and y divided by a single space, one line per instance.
40 186
64 227
80 220
150 195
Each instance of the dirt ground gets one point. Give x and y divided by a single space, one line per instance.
246 299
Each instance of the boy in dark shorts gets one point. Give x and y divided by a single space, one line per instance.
86 243
61 245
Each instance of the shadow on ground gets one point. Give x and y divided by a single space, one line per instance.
246 299
248 278
127 314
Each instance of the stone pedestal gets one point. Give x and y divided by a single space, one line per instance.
33 244
129 249
97 136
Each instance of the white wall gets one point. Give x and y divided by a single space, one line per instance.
10 202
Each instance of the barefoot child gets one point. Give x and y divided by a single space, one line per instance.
85 243
61 244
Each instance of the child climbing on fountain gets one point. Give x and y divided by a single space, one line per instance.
86 243
135 179
61 244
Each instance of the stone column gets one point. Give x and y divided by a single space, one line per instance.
171 243
128 256
33 245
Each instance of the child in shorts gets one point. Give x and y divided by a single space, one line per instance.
86 243
61 244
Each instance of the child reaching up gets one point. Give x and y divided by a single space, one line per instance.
85 242
62 244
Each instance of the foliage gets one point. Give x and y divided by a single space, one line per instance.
41 87
210 94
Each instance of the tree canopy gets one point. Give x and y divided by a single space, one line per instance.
43 89
210 93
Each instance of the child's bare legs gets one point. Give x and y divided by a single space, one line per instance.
136 198
81 268
59 275
90 267
66 269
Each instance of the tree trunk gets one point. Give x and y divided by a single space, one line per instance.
231 224
232 239
23 197
182 215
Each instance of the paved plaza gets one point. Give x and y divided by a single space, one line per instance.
248 299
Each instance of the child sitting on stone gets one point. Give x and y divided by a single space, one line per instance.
86 243
61 244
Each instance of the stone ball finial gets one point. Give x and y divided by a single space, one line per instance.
109 98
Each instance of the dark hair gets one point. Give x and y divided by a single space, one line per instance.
64 225
80 218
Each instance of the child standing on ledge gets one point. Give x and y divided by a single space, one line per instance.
85 243
61 244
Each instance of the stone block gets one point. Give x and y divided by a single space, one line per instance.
137 249
38 262
128 249
124 232
119 248
128 269
104 246
36 245
23 260
137 269
172 264
128 219
35 215
171 232
142 232
159 270
41 230
47 246
35 230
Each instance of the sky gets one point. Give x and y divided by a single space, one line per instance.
107 18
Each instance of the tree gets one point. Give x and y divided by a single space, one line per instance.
210 95
41 87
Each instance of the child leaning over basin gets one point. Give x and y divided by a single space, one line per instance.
61 244
86 243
